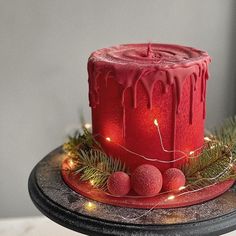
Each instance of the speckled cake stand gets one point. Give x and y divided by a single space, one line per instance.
61 204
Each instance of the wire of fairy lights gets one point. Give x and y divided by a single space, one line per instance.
170 194
185 154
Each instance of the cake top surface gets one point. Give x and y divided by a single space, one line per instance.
150 54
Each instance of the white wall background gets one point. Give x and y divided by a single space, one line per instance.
44 46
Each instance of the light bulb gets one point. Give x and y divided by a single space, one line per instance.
70 154
191 153
87 126
171 197
90 206
108 139
182 188
212 147
71 163
155 122
207 139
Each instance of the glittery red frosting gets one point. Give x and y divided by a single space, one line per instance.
131 85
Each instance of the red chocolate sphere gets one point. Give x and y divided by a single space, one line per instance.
118 183
173 179
146 180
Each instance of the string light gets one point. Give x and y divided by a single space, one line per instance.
69 154
161 141
155 122
182 188
185 155
207 139
108 139
87 126
147 158
171 197
92 182
212 146
90 206
71 163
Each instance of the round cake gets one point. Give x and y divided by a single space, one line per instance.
147 147
148 102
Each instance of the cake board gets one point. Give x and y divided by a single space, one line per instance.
61 204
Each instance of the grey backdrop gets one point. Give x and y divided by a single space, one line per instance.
44 46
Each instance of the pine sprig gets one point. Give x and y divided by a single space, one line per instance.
215 163
210 154
95 166
71 147
80 141
90 160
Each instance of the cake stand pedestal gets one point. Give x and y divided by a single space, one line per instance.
57 201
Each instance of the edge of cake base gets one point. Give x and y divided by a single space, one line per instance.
133 201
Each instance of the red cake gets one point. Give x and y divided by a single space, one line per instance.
133 85
147 143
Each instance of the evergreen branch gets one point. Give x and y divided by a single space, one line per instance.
212 152
215 162
80 141
94 165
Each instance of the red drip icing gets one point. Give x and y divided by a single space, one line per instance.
123 112
106 78
174 119
149 50
148 77
191 100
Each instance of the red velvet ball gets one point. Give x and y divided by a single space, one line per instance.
146 180
173 179
118 183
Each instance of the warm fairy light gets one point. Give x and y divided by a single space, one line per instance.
69 154
207 139
71 163
155 122
88 126
212 147
90 206
231 165
92 182
191 153
108 139
171 197
182 188
162 145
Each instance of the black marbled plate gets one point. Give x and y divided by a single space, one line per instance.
68 208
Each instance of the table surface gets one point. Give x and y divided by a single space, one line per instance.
57 201
40 226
